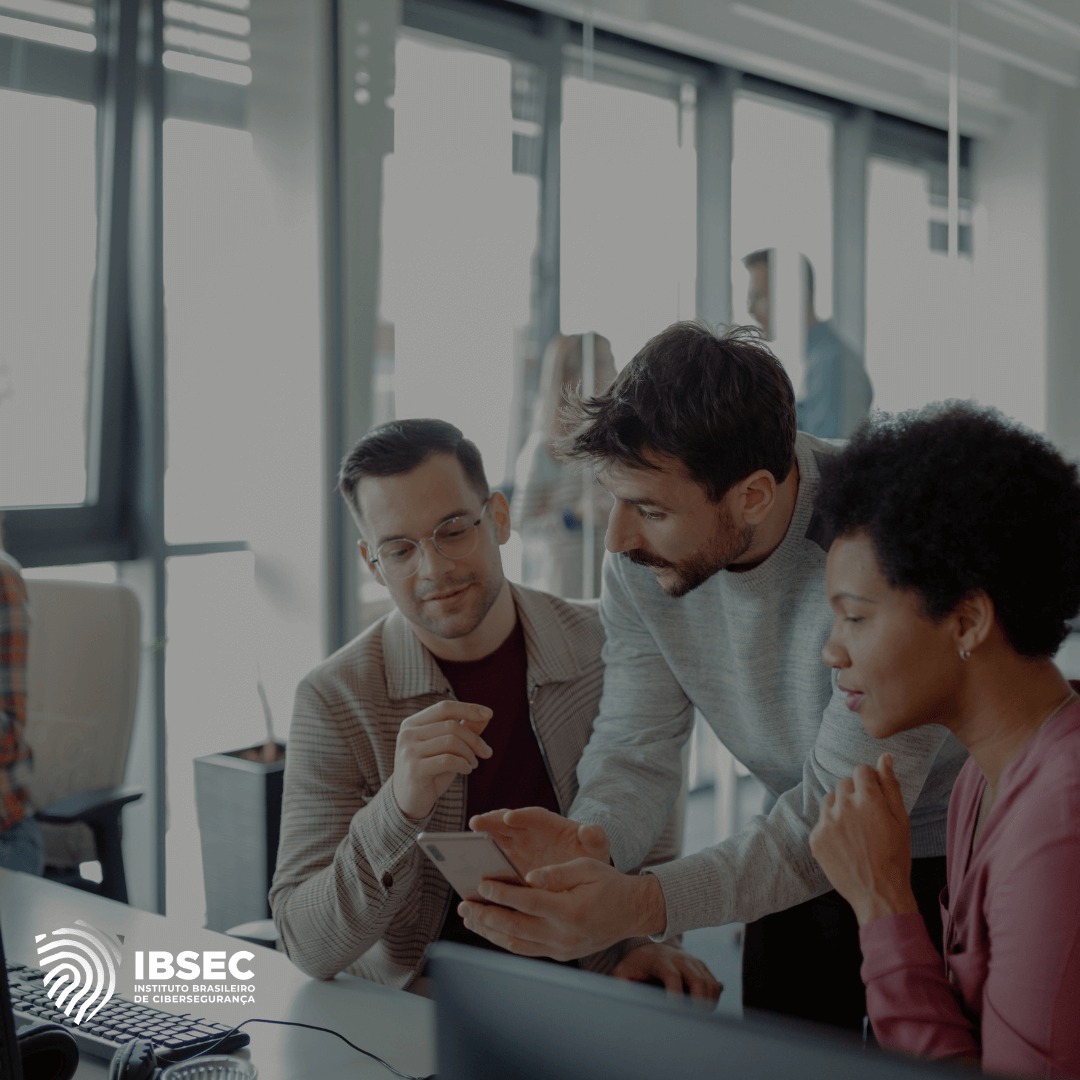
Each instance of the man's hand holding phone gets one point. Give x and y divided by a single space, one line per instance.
534 837
434 746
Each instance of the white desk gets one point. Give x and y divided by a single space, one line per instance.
397 1026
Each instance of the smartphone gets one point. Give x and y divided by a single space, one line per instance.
465 858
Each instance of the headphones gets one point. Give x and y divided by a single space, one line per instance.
135 1060
49 1052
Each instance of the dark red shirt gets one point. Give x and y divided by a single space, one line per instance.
515 775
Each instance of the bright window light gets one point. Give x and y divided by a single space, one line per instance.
51 35
55 10
629 200
101 573
212 278
207 68
177 11
459 234
781 198
48 242
223 714
91 870
972 321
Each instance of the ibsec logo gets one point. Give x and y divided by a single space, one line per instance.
82 978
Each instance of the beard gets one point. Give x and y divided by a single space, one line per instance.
727 543
474 609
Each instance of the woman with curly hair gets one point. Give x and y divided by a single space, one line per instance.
954 572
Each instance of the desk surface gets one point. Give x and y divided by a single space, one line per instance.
397 1026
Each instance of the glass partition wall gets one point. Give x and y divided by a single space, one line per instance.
459 227
463 326
48 244
628 251
242 484
781 201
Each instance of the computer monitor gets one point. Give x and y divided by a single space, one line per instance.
10 1062
501 1016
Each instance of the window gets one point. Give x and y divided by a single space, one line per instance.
243 439
211 699
928 316
48 224
628 206
781 198
459 235
48 247
211 256
62 262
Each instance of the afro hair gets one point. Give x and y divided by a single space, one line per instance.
959 500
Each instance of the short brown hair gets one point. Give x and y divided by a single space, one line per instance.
719 402
399 446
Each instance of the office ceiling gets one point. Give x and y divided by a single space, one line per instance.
892 55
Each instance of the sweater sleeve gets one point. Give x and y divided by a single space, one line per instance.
346 859
630 774
909 998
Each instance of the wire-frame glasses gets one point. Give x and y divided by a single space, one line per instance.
455 538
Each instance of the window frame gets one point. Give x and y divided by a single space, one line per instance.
99 529
111 524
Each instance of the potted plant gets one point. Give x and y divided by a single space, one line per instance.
238 802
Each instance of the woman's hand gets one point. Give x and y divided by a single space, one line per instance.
863 842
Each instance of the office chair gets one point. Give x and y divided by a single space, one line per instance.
82 678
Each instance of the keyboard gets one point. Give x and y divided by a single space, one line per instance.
174 1038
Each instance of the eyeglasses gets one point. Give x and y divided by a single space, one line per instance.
455 538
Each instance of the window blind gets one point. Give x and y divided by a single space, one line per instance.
207 60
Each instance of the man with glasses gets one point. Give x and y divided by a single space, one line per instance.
473 695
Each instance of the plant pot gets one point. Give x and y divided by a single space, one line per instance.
238 802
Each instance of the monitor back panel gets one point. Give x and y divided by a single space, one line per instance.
501 1016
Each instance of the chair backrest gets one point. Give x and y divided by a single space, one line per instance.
82 680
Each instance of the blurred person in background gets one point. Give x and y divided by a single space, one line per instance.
838 390
22 843
953 577
548 505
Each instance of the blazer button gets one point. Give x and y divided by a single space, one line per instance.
387 880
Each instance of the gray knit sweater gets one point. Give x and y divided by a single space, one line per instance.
745 650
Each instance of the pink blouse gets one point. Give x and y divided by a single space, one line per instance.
1009 989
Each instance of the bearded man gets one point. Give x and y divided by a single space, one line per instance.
713 599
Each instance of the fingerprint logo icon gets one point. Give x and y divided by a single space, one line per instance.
80 973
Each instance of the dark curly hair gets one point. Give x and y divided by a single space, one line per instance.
958 500
719 402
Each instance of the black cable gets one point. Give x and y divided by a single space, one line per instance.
314 1027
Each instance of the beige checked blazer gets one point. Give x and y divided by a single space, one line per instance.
352 891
